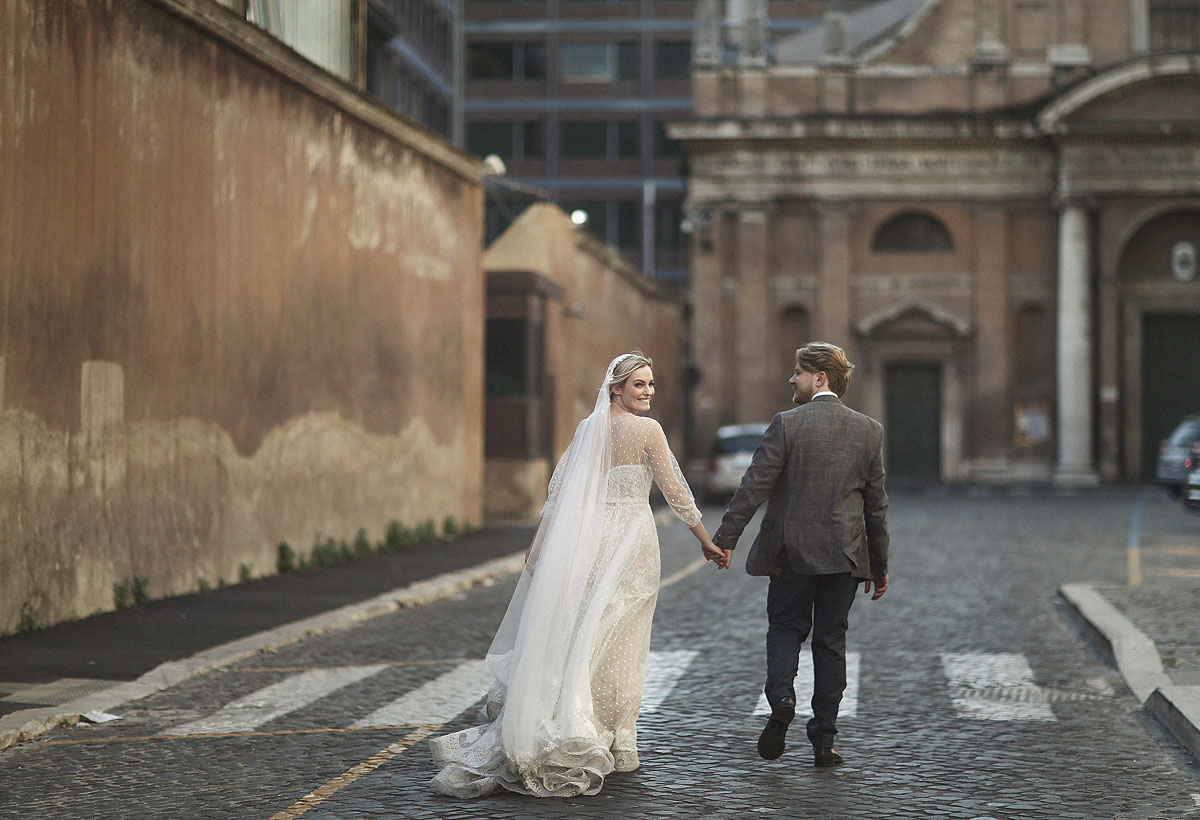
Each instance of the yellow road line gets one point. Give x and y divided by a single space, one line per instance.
1134 566
275 732
683 573
320 795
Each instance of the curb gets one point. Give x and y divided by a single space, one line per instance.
1125 645
1138 661
28 724
1178 708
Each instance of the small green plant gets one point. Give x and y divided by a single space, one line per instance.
326 553
245 573
286 558
29 621
140 589
363 547
427 531
122 596
203 585
450 527
399 537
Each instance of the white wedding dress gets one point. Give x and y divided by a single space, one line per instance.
570 656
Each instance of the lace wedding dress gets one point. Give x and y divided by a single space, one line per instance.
570 656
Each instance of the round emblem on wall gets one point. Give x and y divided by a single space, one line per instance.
1183 261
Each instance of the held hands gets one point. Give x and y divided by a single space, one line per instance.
881 585
715 554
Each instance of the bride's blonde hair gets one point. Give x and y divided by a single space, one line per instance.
625 366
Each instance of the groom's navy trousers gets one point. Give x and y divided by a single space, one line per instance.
796 606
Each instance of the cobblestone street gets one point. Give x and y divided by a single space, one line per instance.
972 695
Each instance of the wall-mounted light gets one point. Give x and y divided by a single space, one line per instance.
579 217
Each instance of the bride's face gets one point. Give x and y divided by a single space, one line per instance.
634 393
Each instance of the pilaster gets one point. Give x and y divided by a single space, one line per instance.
752 386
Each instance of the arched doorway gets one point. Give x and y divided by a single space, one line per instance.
1160 298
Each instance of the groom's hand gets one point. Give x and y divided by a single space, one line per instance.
881 585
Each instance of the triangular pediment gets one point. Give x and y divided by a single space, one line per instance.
913 319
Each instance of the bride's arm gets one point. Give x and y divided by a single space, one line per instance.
675 490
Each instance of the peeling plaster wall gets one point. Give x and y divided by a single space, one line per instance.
238 304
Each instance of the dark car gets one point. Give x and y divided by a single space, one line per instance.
1178 454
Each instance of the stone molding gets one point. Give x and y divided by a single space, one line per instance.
1053 118
874 322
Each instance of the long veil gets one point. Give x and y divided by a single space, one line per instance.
541 736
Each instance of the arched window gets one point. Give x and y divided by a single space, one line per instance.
912 232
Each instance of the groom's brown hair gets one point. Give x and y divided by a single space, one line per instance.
816 357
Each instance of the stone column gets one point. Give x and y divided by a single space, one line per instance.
1075 464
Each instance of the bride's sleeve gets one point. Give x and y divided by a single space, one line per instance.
669 477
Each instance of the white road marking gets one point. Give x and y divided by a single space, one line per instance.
434 702
663 671
988 686
804 687
288 695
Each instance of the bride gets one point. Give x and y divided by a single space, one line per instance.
569 657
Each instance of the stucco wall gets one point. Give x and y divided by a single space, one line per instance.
283 279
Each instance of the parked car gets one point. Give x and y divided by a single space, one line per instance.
731 453
1178 454
1191 497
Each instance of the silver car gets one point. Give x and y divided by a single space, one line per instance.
731 454
1178 454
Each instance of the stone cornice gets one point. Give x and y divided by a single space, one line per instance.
850 172
841 128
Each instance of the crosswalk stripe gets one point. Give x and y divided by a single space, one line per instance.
434 702
663 671
994 686
288 695
804 688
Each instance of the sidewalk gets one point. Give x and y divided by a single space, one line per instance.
52 676
1151 632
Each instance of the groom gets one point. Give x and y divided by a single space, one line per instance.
819 467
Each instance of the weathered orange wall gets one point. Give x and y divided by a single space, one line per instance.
607 308
287 275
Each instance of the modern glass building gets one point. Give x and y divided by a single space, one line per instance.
573 96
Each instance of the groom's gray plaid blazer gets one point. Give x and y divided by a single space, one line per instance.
819 467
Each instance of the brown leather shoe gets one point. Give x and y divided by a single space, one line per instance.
826 756
770 742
